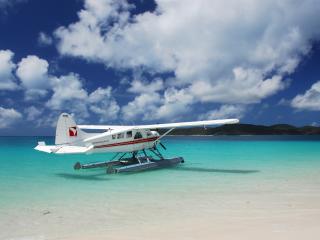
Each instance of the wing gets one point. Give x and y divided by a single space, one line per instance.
189 124
163 125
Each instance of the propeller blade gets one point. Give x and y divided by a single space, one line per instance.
162 146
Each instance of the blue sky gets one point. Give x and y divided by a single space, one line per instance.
149 61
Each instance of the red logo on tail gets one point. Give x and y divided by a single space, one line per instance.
73 131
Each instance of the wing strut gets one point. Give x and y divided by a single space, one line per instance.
158 139
166 133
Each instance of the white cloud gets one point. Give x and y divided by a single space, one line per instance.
224 52
7 79
310 100
245 86
100 94
33 74
33 94
66 89
225 111
31 70
44 39
175 104
142 105
69 95
138 86
206 39
8 116
40 117
94 19
153 106
32 113
103 104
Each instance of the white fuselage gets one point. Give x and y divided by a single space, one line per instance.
125 141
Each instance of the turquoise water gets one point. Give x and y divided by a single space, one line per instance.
31 177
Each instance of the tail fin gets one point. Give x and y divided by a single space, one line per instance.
67 131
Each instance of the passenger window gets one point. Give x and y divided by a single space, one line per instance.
113 136
120 135
138 135
129 134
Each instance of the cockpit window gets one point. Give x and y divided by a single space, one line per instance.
120 135
149 133
129 134
138 135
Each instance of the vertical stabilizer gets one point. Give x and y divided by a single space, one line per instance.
67 131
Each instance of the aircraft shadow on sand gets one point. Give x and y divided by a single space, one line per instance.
77 176
102 176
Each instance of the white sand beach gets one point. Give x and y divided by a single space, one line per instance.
286 208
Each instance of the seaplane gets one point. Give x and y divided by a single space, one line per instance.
134 141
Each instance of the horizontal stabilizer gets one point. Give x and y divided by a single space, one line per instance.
43 147
62 149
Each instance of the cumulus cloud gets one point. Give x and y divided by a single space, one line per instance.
69 95
8 116
66 89
173 104
142 105
40 117
225 111
223 52
138 86
245 86
67 92
147 102
103 104
7 79
310 100
94 19
44 39
33 74
32 113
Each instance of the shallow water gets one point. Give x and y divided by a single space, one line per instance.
218 173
